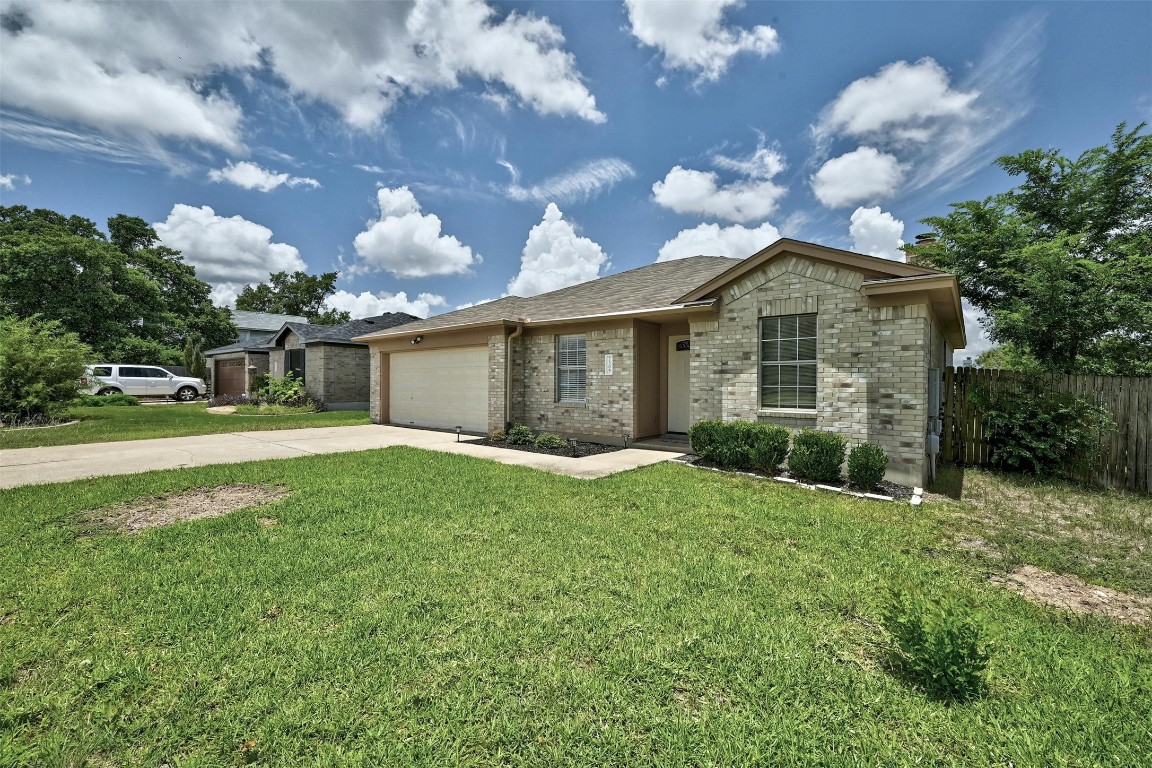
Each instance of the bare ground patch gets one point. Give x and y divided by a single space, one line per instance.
1073 594
197 504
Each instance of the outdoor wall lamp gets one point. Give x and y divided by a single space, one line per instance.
418 339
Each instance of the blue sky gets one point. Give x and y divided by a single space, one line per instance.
440 154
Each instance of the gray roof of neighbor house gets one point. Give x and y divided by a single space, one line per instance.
310 333
649 287
263 321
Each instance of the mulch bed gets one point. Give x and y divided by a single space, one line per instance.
896 491
582 449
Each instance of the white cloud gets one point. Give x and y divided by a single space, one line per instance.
752 198
476 303
736 241
863 176
369 168
877 233
555 257
408 243
74 63
227 252
978 339
903 102
691 36
251 176
579 184
10 180
368 304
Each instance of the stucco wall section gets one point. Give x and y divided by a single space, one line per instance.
607 412
871 361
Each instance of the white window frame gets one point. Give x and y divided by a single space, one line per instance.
571 359
803 367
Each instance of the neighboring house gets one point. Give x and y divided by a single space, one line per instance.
333 367
797 334
233 367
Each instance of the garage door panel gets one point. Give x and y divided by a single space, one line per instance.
230 377
441 388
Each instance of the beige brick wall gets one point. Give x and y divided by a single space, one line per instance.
871 361
343 373
497 349
375 386
607 413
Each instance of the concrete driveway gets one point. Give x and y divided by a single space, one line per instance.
31 466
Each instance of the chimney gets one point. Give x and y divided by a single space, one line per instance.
928 238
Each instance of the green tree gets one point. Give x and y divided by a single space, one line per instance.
296 293
128 297
194 359
40 367
1062 263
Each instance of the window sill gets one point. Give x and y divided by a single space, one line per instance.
806 412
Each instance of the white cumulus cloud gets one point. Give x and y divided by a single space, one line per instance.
75 63
248 175
366 304
579 184
736 241
877 233
865 175
555 257
408 243
692 36
903 102
752 198
228 252
10 180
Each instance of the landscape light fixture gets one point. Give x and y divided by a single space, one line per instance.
458 433
626 436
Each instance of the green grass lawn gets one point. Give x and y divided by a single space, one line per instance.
98 425
415 608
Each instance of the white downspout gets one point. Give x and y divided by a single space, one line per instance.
508 374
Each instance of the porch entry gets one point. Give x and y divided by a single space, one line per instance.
679 382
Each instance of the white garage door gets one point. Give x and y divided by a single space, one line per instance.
439 388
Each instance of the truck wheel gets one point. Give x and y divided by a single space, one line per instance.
108 391
186 394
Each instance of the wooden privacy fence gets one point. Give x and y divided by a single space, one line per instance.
1127 456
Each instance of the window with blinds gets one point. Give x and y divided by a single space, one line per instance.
788 361
571 368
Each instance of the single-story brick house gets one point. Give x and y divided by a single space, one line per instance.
334 368
797 334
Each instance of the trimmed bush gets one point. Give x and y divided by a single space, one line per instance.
816 456
100 401
520 435
1040 432
498 436
740 444
40 368
222 400
866 466
549 440
938 646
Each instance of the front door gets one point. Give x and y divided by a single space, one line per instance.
679 382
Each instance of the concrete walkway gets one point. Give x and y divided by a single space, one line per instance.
29 466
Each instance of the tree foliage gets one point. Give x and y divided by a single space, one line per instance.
1062 264
127 296
40 368
296 293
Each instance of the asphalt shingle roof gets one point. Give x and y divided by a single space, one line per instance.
309 332
648 287
263 321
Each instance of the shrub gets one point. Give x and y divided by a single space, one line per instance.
498 436
938 647
550 440
740 444
285 390
100 401
40 368
271 409
259 384
222 400
520 435
1043 433
866 465
816 456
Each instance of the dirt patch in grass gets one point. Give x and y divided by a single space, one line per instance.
1073 594
221 409
196 504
